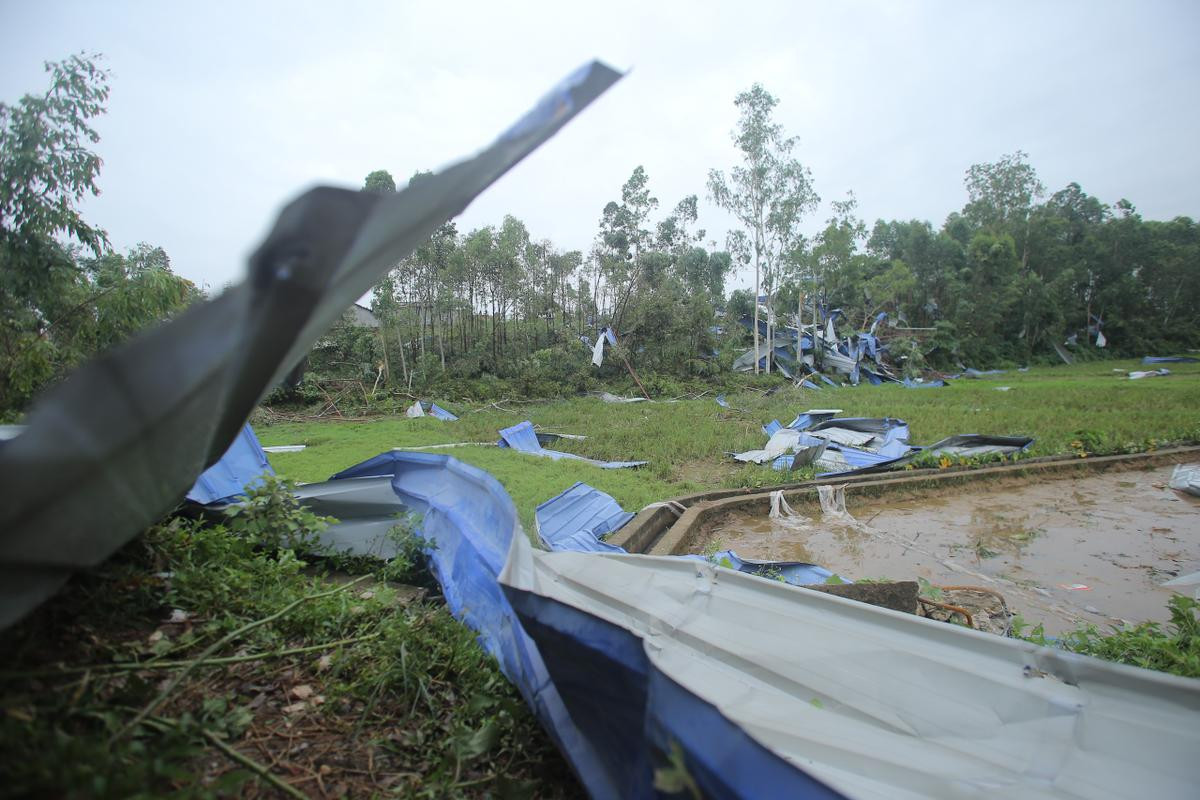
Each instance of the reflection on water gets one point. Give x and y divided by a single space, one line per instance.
1119 535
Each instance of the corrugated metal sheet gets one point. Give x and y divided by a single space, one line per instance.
579 518
522 438
243 465
839 698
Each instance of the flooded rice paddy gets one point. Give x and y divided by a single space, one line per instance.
1093 549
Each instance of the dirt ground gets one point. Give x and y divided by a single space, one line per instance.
1094 548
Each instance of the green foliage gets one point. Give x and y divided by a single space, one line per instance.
58 307
1173 648
398 686
271 517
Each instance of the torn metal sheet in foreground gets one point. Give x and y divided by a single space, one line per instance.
117 445
766 690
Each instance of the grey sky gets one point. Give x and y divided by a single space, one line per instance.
221 111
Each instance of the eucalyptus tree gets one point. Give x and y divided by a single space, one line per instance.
769 193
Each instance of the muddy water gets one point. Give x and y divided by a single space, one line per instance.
1092 548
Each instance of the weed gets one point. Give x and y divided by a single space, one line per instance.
1174 648
123 685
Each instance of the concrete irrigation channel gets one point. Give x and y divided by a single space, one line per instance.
1064 539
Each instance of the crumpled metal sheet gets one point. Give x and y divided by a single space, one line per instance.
767 690
242 465
579 518
974 445
522 438
1186 478
117 445
420 408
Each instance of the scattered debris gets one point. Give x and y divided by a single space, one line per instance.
579 518
722 402
284 448
1186 478
420 408
974 445
848 446
1153 373
1170 360
612 398
524 439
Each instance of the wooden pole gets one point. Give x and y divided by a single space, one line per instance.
633 374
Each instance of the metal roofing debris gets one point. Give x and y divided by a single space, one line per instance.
1153 373
855 445
522 438
579 518
766 690
1170 360
240 467
420 408
974 445
1186 478
157 411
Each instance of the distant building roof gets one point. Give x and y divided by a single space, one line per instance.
363 317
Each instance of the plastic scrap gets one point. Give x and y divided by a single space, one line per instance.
1170 360
420 408
1186 478
242 466
284 448
722 402
579 518
524 439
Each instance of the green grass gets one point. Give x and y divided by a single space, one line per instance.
210 641
1081 408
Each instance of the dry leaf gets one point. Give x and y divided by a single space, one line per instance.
302 691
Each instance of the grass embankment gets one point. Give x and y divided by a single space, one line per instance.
1086 408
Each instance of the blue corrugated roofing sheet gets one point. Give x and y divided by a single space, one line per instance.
243 464
578 518
522 438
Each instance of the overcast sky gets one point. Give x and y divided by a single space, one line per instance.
222 111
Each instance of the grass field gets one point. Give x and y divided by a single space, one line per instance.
211 658
1082 408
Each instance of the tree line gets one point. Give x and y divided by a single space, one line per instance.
1003 280
1013 273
